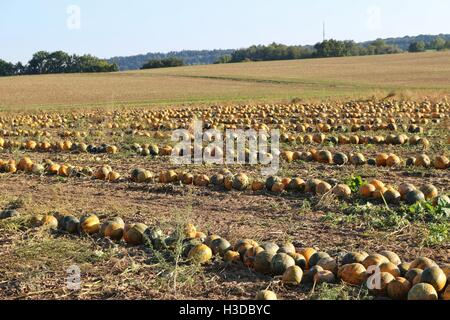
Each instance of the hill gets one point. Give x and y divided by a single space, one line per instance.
418 74
196 57
190 57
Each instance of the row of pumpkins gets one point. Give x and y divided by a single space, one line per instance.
59 146
375 189
383 273
323 117
359 159
321 156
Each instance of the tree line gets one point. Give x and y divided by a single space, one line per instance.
327 48
44 62
438 44
189 57
163 63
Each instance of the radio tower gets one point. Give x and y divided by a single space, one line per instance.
324 31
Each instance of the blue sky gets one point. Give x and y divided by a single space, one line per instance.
115 27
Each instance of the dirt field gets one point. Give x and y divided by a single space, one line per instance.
35 260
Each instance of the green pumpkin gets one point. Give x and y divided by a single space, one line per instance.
316 257
280 262
263 262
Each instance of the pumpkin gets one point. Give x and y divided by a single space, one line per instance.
111 149
287 247
329 264
113 229
209 239
441 162
423 161
64 171
140 175
404 188
288 156
257 185
231 256
422 291
200 235
379 288
53 169
342 191
113 176
70 224
270 181
392 256
422 263
220 246
311 185
325 156
280 262
393 160
135 234
429 191
278 187
358 159
9 213
266 295
90 224
299 260
379 193
10 167
155 235
25 164
296 185
189 231
354 257
168 176
293 275
392 196
324 276
49 222
308 276
379 185
381 159
446 294
403 267
434 276
37 169
340 158
414 196
217 180
374 260
263 262
307 253
390 268
366 190
323 187
101 173
352 273
316 257
228 182
200 254
240 182
398 288
412 274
